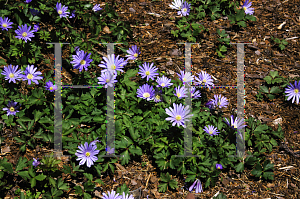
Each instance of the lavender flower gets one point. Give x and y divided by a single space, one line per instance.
219 101
81 60
163 82
112 64
246 6
204 79
211 130
127 196
50 87
109 150
293 92
72 14
219 166
24 33
148 71
11 73
35 162
111 195
133 53
209 104
31 75
107 79
146 92
5 23
62 10
197 186
195 94
185 10
179 114
185 77
237 123
177 4
94 142
97 8
87 154
34 12
36 27
180 92
27 1
12 108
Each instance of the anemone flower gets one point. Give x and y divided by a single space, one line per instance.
133 52
87 153
211 130
50 87
11 73
148 71
62 10
12 108
81 60
5 23
197 185
31 75
185 10
179 114
246 6
163 82
293 92
146 92
107 78
23 32
113 63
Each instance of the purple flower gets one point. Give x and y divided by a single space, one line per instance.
24 33
72 14
127 196
185 10
111 195
157 96
148 71
11 73
209 104
195 94
35 162
204 79
163 82
133 52
185 77
94 142
179 114
81 60
12 108
87 154
197 186
180 92
219 166
293 92
109 150
31 75
211 130
219 101
27 1
96 8
146 92
62 10
246 6
36 27
34 12
5 23
177 4
236 124
112 64
107 78
50 87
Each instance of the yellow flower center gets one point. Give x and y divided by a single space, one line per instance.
204 80
157 97
24 34
51 88
60 12
11 75
219 103
219 167
235 126
163 84
147 73
107 80
4 25
12 109
178 117
296 91
184 79
245 8
113 67
210 132
82 62
29 76
146 95
184 9
135 55
87 154
192 94
178 95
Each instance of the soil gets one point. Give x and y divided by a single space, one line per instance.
157 43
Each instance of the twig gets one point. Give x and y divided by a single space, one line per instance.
291 38
147 181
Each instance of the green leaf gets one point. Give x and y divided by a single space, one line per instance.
242 23
257 171
264 89
239 167
162 187
21 164
273 74
37 115
61 185
88 176
268 79
32 182
24 174
223 48
52 182
275 89
268 175
19 140
40 177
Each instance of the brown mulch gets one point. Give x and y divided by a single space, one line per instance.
153 35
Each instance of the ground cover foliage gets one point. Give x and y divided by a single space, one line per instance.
141 126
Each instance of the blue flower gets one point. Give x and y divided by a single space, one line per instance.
97 8
111 195
87 153
219 166
12 108
211 130
163 82
5 23
31 75
36 27
146 92
204 79
35 162
133 53
11 73
185 77
179 114
195 94
219 101
113 63
50 87
148 71
23 32
246 6
293 92
109 150
62 10
180 92
72 14
81 60
185 10
107 78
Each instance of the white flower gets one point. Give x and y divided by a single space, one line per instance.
177 4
